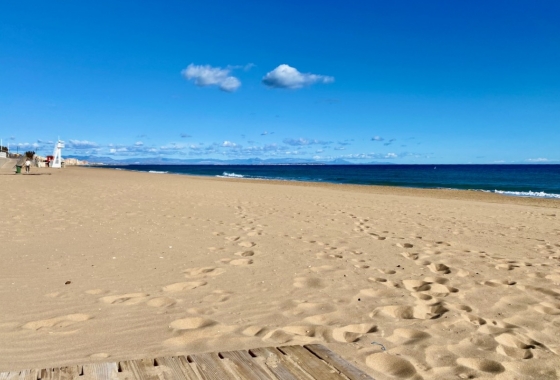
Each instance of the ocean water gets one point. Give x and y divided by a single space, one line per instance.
517 180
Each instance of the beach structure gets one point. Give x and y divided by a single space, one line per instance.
288 362
3 150
57 153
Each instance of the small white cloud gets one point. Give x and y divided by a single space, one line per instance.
301 142
285 76
377 138
81 144
27 145
206 75
172 147
138 143
229 144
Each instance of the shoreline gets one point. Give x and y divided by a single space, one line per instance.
443 193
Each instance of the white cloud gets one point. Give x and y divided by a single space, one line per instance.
285 76
377 138
538 159
81 144
229 144
138 143
303 142
172 147
27 145
206 75
379 156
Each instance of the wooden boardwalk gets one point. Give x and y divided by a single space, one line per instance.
287 363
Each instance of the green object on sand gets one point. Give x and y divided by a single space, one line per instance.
18 169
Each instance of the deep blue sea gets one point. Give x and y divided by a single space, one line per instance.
518 180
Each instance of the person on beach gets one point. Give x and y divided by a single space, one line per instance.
27 165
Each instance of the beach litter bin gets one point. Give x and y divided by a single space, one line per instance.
18 169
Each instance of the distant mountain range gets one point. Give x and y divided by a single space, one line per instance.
211 161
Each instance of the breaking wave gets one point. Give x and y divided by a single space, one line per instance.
231 175
533 194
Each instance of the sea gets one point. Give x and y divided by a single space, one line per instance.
540 181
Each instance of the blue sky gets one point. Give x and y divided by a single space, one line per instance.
402 81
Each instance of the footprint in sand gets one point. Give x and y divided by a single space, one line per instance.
278 337
352 333
405 245
180 286
480 364
161 302
203 272
255 331
548 308
247 244
387 271
375 236
64 321
411 256
391 365
477 321
411 312
239 262
497 283
245 253
308 282
404 336
191 323
126 299
439 268
217 296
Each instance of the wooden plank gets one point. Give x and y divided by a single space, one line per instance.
279 365
179 368
210 367
100 371
317 368
243 364
287 363
138 370
337 362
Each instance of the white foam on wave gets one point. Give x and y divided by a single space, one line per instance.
533 194
230 175
157 172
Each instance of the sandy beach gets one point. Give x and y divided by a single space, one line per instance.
100 264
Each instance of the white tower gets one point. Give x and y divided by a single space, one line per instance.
56 163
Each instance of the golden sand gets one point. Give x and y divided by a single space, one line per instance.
103 265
